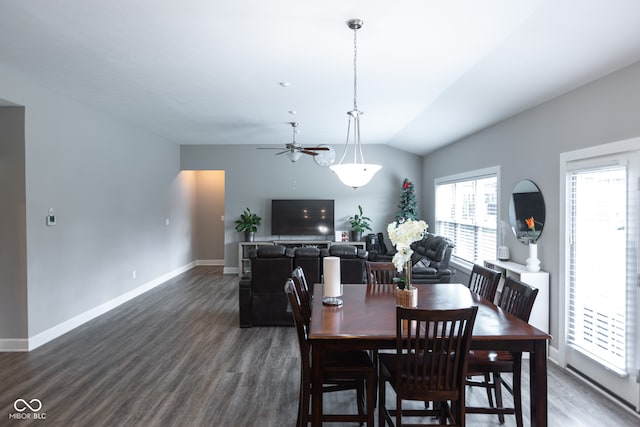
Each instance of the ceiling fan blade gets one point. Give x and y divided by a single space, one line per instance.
282 152
311 153
268 148
317 148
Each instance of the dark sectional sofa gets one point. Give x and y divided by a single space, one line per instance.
262 301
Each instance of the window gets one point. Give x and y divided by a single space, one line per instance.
598 319
467 213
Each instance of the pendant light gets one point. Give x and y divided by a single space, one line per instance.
358 173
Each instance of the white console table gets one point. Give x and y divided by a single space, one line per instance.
539 279
244 247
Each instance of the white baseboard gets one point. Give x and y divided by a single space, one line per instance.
210 262
555 356
52 333
231 270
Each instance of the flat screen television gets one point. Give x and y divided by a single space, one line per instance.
312 217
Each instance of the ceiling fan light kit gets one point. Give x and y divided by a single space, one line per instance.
358 173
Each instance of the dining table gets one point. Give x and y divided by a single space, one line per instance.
366 320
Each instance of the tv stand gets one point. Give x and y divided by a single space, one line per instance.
244 263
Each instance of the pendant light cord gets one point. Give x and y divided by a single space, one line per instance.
355 69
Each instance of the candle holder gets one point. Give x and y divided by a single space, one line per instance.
333 300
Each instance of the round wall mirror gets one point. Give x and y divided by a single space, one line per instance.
526 202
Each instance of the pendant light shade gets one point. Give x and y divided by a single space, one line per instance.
355 174
358 173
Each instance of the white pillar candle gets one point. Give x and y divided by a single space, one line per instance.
331 269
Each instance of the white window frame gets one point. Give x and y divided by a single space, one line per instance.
632 144
460 263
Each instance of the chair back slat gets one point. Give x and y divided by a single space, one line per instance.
381 273
434 345
517 298
484 282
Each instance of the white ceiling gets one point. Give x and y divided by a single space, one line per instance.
208 71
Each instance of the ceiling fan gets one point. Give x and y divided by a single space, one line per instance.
293 150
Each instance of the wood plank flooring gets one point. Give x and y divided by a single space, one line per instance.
175 356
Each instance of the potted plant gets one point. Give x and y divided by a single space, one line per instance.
248 223
402 235
359 223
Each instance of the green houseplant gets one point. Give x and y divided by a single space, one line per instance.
248 222
359 223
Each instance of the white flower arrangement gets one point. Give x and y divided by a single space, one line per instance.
402 235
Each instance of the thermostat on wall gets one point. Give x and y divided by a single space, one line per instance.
51 217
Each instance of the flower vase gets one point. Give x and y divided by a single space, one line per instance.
533 263
407 297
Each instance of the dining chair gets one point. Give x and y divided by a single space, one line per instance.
429 365
484 282
381 273
517 298
341 370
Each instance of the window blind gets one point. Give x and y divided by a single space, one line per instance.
466 212
597 219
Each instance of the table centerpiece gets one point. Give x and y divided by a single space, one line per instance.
402 234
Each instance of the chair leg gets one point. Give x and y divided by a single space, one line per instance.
299 419
517 390
303 404
398 411
374 357
371 398
497 382
360 397
381 402
488 388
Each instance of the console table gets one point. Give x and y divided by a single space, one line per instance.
539 279
244 264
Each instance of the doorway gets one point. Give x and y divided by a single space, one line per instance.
208 219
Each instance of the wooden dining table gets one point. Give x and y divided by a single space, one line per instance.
367 320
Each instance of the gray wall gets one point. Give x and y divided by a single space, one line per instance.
13 233
253 178
529 145
112 188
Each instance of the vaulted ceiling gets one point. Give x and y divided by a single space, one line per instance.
209 71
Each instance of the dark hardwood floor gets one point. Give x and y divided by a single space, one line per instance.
175 356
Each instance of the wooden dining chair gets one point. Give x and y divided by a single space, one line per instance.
380 273
484 282
517 298
341 370
429 365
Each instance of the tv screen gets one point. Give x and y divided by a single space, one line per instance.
302 217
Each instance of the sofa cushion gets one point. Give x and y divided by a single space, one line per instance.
422 268
271 251
308 251
347 252
432 247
